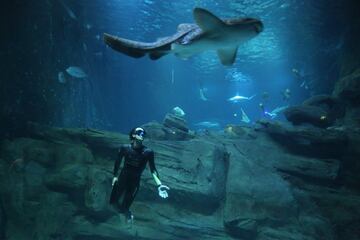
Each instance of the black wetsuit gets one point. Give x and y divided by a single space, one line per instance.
129 178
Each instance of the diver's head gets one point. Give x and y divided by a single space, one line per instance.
137 134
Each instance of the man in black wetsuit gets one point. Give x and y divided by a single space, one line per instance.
136 157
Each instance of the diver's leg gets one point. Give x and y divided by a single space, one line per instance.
129 197
117 191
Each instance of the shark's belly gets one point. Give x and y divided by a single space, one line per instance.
205 44
187 50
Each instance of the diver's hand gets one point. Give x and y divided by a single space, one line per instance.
114 181
162 192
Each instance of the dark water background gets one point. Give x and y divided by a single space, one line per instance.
41 38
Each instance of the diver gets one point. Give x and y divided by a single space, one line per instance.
127 183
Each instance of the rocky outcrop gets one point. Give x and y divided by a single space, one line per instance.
307 140
321 111
276 181
348 88
173 128
307 114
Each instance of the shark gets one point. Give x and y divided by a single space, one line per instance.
237 98
208 33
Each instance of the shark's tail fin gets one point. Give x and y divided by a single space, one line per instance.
124 46
252 96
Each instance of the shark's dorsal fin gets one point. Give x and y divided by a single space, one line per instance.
206 20
227 55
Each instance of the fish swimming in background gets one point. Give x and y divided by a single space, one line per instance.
209 33
76 72
68 10
61 77
208 124
274 113
265 95
237 98
244 117
286 94
172 76
202 94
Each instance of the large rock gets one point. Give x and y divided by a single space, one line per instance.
196 171
260 203
176 128
307 141
307 114
97 190
334 107
320 111
173 128
348 88
175 122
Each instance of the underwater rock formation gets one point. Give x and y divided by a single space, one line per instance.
348 89
173 128
273 182
321 111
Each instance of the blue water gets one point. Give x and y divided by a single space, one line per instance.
125 92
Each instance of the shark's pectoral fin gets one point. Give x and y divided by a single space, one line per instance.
206 20
227 55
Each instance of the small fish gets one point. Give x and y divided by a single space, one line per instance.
237 98
244 117
265 95
68 10
98 54
270 114
76 72
85 47
261 105
202 94
286 94
61 77
178 112
172 76
208 124
274 113
285 5
88 26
